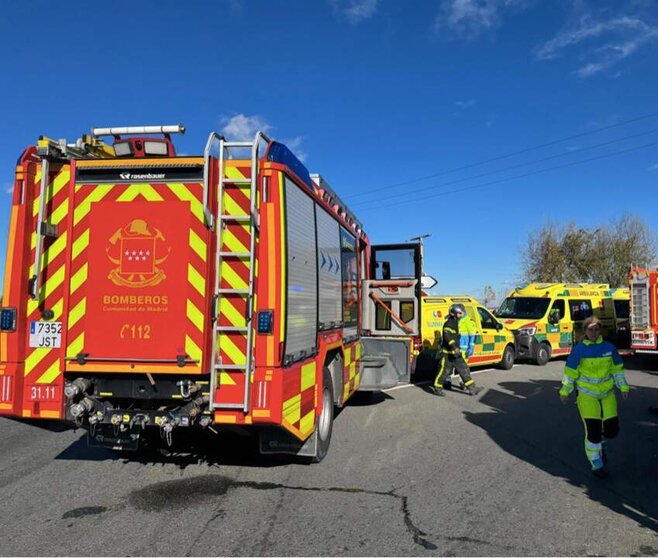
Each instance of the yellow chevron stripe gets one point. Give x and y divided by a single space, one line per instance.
226 380
76 346
57 184
198 245
232 278
233 352
79 278
130 193
194 315
183 193
234 316
98 194
54 281
232 242
56 216
307 423
37 354
80 244
292 409
78 312
49 375
308 376
50 253
196 280
192 349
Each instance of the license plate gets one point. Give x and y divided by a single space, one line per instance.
46 335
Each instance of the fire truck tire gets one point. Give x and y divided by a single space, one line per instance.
507 361
325 423
543 354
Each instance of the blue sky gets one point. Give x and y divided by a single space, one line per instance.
370 94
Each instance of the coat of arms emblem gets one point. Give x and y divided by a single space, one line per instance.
137 250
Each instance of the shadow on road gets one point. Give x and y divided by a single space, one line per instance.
528 421
645 362
238 447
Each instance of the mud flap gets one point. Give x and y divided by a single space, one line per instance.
277 440
110 437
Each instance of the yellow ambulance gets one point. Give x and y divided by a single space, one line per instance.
622 300
494 343
547 318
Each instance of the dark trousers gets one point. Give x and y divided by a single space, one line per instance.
448 363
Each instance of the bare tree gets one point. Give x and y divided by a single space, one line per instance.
569 253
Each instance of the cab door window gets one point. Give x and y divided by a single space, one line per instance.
557 310
487 320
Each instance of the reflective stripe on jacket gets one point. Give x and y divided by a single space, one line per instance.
450 340
595 368
467 331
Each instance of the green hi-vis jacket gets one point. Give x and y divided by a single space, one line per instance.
595 368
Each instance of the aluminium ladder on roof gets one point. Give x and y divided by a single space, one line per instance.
250 220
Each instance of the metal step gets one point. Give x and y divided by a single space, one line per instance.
239 218
235 254
230 367
231 328
237 181
232 291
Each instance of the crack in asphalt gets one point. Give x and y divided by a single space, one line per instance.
178 493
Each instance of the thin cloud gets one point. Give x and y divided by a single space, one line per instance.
464 105
8 188
653 167
621 36
295 145
354 11
469 18
241 127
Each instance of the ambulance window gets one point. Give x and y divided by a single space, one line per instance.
580 309
486 319
382 317
606 309
407 311
558 307
622 308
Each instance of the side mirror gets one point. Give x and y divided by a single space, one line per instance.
554 318
499 326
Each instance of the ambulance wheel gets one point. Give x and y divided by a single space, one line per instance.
508 358
543 354
325 423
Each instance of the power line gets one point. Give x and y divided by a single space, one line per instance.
504 169
485 161
540 171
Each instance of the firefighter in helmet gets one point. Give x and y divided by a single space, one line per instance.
451 356
594 368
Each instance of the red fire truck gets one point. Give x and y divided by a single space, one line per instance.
644 308
146 292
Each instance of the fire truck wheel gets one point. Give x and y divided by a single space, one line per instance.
508 358
325 422
543 354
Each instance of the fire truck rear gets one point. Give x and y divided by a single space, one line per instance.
643 283
147 292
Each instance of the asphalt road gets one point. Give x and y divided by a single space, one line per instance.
408 473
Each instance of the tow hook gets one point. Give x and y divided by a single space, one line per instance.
187 388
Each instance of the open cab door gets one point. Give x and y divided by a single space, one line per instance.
391 314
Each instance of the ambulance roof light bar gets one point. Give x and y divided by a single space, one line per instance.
120 130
